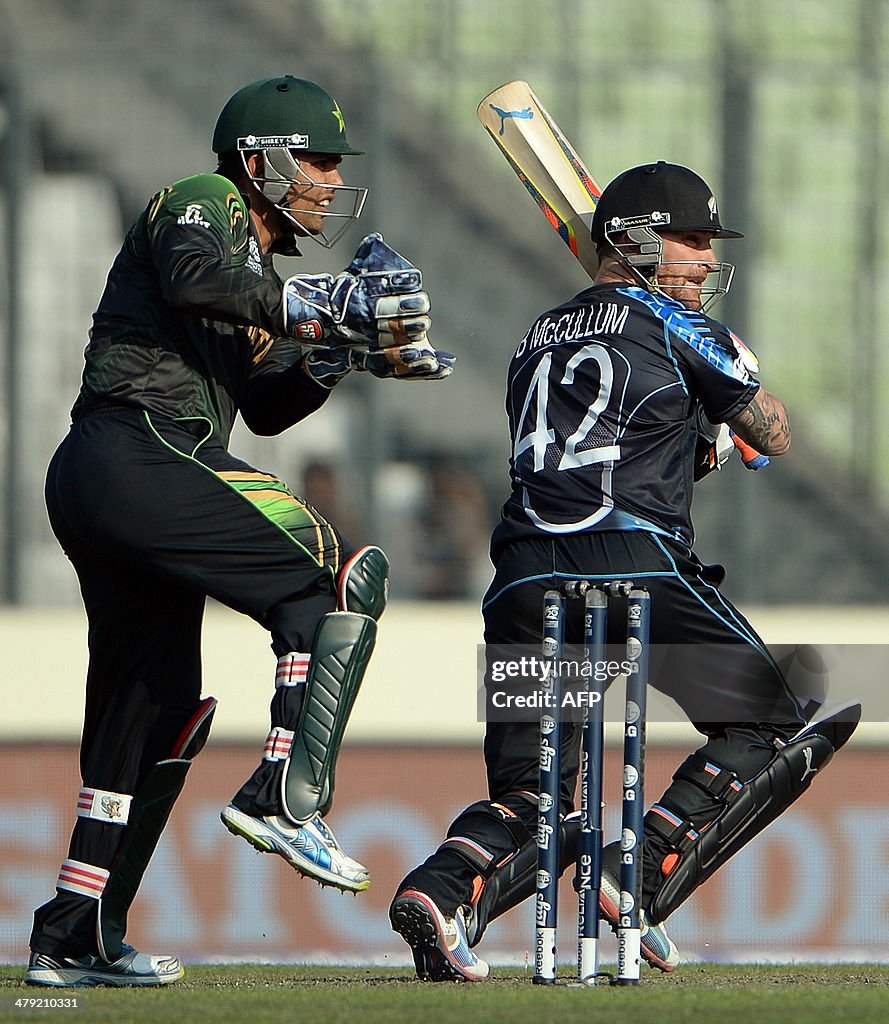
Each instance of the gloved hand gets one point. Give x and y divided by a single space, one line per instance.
746 356
308 316
751 458
714 446
378 306
328 366
716 443
379 297
377 301
374 310
405 362
389 309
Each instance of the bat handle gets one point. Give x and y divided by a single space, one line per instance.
751 458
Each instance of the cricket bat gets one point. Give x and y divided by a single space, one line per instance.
546 164
556 178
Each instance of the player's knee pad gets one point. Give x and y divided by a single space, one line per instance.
144 815
362 585
747 807
341 650
486 834
515 880
495 841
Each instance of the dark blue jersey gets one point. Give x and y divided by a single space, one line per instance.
602 397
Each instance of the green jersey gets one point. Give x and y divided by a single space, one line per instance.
191 320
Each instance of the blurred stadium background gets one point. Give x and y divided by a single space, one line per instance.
782 106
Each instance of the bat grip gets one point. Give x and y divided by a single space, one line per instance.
751 458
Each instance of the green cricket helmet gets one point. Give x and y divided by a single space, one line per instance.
282 118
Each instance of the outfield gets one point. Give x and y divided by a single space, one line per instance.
816 994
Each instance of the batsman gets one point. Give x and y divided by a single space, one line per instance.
194 328
618 401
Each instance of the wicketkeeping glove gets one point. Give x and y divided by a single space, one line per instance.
328 366
389 309
308 316
375 310
405 362
377 301
377 305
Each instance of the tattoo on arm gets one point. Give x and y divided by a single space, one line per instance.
764 424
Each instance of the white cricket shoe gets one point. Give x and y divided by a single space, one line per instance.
438 943
658 949
310 848
131 968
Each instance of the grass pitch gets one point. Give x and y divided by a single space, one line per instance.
815 994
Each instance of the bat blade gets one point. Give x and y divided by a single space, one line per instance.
546 163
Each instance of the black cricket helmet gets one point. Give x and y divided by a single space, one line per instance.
282 118
659 196
645 200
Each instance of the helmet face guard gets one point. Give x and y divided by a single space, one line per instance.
282 119
283 179
643 252
645 200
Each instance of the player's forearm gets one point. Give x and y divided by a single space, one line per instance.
278 401
764 424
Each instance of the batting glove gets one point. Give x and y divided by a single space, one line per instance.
716 444
745 355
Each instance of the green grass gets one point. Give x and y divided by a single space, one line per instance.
810 994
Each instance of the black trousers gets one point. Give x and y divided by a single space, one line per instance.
155 519
707 657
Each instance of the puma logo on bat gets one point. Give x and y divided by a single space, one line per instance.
524 115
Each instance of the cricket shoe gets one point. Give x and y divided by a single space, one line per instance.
658 949
311 848
438 943
131 968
